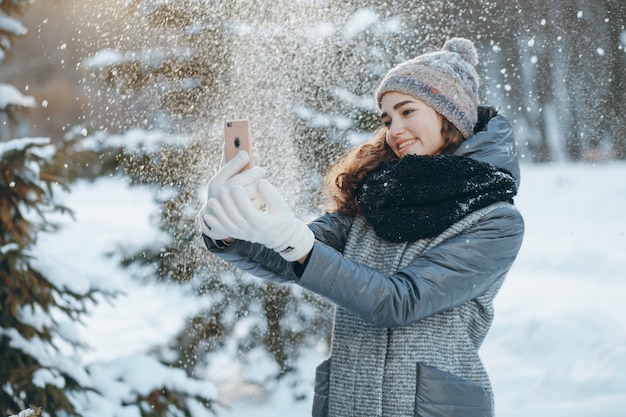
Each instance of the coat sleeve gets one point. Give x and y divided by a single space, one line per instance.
456 271
331 230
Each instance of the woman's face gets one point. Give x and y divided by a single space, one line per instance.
413 127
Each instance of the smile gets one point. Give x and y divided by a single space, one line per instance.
406 143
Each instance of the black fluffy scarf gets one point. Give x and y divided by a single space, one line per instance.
421 196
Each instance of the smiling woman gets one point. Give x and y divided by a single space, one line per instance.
420 238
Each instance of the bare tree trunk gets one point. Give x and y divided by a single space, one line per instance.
614 120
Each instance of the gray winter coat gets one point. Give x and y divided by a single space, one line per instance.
444 293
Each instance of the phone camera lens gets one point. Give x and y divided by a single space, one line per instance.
229 124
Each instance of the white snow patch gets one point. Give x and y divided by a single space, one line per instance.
12 97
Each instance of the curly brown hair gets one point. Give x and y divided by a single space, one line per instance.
344 177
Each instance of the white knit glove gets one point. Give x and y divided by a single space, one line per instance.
276 227
229 175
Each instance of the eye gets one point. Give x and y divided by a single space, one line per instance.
386 122
406 112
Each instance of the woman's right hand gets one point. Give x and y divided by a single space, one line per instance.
276 227
229 175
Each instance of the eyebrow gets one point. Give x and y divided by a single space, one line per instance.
396 107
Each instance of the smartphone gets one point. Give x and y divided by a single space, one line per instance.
237 137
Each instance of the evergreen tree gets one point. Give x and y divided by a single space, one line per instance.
31 347
32 364
41 363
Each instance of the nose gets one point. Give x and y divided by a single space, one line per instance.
395 129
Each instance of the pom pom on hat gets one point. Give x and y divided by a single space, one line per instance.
463 47
445 80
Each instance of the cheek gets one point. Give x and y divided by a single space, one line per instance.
436 133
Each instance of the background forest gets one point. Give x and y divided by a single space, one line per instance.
137 90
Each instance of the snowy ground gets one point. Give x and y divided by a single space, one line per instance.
558 344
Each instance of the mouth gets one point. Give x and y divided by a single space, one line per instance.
405 144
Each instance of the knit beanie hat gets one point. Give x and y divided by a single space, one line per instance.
445 80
